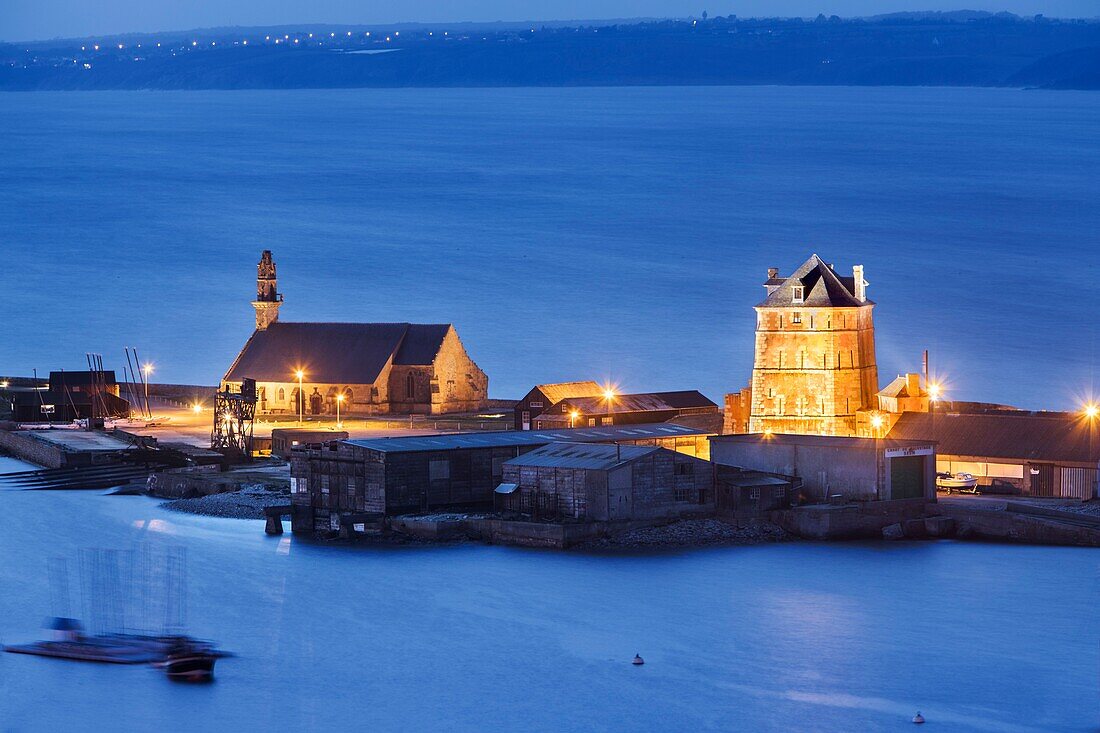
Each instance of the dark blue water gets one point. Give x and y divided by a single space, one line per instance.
800 636
569 233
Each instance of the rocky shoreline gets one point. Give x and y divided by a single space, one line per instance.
689 533
248 503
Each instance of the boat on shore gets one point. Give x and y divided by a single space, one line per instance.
961 482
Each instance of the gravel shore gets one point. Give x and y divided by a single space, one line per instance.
248 503
689 533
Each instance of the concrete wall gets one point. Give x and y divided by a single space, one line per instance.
853 472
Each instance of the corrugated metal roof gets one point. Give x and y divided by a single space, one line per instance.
642 402
565 390
1038 436
334 353
592 456
505 438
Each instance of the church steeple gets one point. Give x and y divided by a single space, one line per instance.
268 299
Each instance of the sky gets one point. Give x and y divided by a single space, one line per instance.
43 19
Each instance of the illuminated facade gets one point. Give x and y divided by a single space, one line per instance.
353 368
814 368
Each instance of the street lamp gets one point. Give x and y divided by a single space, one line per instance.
339 401
609 395
301 396
573 417
147 369
876 423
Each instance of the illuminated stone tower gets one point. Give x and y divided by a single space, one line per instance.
268 299
815 352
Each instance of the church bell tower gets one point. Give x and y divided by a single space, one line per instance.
268 299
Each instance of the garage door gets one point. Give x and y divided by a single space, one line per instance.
907 477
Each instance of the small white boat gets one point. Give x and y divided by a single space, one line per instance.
961 482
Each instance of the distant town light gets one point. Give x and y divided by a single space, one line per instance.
3 385
96 47
82 48
158 44
295 40
244 42
332 35
194 43
368 34
120 46
396 34
267 38
311 35
349 34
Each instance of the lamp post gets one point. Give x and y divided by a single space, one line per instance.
301 396
339 401
933 396
147 369
876 424
609 395
1092 411
573 418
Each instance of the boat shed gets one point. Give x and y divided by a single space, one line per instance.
834 467
600 482
332 483
1054 454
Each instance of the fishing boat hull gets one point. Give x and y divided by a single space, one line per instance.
198 667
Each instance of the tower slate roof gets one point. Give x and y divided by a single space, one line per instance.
823 288
335 353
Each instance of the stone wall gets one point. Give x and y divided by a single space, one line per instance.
25 446
459 385
812 376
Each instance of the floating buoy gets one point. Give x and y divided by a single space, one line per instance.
918 718
638 660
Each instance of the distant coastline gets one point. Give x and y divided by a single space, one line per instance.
909 49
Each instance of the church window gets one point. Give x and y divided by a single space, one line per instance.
796 318
410 386
282 395
798 294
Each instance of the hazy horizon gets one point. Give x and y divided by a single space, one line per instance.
59 19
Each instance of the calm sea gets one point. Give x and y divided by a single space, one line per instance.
793 637
618 234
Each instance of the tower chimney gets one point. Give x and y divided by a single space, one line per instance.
860 284
268 299
773 272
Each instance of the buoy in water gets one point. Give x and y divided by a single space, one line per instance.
918 718
638 660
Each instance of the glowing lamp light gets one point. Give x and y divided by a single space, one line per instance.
1092 411
339 398
767 432
934 391
96 47
196 408
876 421
194 43
147 368
299 374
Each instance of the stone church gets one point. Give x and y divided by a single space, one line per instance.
378 368
814 370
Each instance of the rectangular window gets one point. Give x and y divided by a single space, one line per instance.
796 318
798 294
682 495
607 421
781 321
685 469
754 493
536 403
591 422
771 391
439 469
811 321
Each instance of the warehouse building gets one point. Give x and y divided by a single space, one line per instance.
600 482
337 481
1054 454
687 407
833 467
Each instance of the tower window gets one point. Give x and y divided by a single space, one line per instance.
798 294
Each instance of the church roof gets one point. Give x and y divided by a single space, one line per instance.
823 288
331 353
899 388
